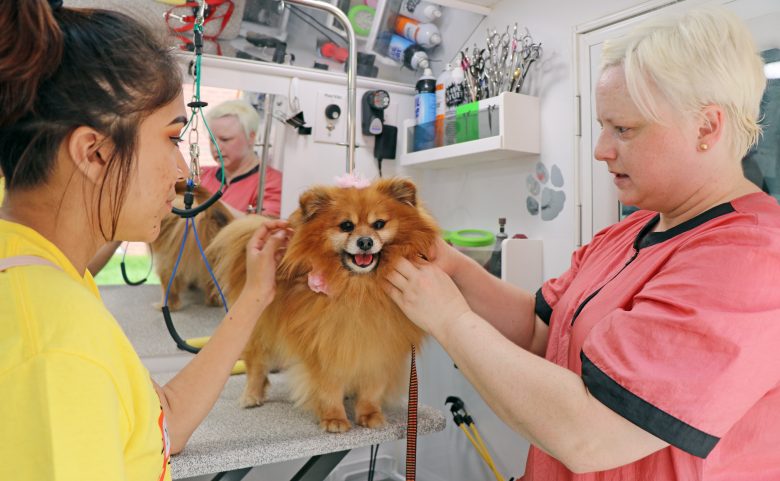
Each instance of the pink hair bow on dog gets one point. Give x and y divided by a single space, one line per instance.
352 180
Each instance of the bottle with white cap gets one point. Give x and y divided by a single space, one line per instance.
454 95
424 34
441 103
420 10
408 53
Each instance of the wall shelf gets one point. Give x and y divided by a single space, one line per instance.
506 126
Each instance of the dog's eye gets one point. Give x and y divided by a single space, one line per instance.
378 224
347 226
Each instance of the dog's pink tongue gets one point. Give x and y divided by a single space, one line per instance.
363 259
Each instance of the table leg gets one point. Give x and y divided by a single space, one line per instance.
318 467
234 475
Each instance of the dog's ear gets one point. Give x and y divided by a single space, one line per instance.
221 217
402 190
312 201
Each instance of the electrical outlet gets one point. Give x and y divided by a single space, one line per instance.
331 131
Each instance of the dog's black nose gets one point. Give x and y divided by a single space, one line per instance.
365 243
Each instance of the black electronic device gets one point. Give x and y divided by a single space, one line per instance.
373 108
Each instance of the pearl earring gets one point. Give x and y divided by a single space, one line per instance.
703 146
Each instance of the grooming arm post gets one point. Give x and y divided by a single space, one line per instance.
351 72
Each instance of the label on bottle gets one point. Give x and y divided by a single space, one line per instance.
397 47
410 6
454 94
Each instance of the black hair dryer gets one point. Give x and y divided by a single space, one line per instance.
373 108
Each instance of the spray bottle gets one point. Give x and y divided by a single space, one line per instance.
494 264
422 11
441 104
425 34
425 111
408 53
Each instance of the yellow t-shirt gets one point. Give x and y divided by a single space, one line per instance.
75 401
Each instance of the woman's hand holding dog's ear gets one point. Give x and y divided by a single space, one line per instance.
426 294
263 253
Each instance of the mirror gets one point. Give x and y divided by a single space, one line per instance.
259 31
237 119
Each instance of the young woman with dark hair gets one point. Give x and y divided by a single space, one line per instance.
92 113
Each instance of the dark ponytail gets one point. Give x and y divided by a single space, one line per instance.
30 51
65 68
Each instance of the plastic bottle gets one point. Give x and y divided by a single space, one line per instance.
441 103
425 34
425 111
454 95
408 53
422 11
494 264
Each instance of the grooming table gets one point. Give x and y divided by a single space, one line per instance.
232 440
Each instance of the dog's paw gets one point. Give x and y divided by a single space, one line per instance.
335 425
213 300
371 420
249 400
552 200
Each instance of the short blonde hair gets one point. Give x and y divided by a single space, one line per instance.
699 58
247 115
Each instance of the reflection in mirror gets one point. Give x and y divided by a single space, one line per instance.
237 120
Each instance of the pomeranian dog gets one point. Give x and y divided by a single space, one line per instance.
331 325
192 272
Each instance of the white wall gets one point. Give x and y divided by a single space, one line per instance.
476 196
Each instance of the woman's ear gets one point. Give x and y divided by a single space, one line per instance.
711 127
88 152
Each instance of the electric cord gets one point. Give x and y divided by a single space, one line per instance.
317 25
372 461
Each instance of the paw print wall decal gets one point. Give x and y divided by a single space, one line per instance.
545 193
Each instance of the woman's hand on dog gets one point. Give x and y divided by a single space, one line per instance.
444 256
263 253
425 293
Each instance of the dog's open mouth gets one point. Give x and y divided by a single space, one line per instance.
361 263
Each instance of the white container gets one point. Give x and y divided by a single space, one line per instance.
515 135
385 470
422 11
425 34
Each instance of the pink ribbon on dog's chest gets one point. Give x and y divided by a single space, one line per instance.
317 283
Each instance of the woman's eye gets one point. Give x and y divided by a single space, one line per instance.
347 226
177 140
622 130
378 224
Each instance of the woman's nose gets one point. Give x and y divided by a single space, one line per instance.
182 171
604 149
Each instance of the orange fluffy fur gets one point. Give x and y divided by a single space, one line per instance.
191 272
353 341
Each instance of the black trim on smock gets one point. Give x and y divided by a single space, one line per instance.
542 308
645 238
254 170
640 412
